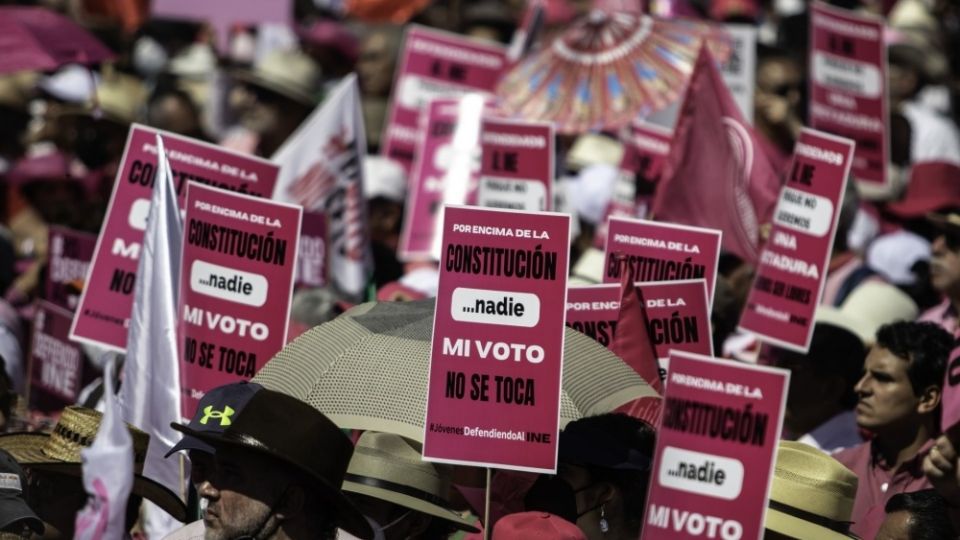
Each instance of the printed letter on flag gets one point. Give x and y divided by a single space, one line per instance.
321 170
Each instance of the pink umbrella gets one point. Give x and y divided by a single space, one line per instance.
39 39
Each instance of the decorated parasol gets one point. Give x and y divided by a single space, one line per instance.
607 69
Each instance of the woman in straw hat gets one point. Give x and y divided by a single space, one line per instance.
53 460
405 496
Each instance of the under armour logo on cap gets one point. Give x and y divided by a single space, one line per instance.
224 415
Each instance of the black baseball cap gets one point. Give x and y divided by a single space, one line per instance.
216 411
13 507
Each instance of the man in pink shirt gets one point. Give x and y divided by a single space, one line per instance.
945 272
899 402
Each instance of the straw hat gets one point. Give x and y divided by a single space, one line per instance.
812 494
870 306
593 149
291 74
59 452
388 467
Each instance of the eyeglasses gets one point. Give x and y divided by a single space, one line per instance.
952 241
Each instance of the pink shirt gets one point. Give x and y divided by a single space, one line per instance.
878 483
943 314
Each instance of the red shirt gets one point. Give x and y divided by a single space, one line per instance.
878 482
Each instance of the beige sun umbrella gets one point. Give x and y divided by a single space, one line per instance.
368 370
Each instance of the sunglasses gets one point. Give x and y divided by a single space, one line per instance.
952 241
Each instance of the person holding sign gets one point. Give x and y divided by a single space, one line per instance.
899 401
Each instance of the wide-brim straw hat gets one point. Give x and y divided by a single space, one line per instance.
59 452
389 468
812 494
291 74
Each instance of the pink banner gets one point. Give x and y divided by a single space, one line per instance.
497 354
222 15
793 264
716 449
56 364
653 251
104 311
236 281
439 120
517 165
70 255
645 150
435 64
312 255
848 85
677 311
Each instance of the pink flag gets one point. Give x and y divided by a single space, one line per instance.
632 342
634 346
716 175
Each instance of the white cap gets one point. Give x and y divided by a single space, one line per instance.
893 255
384 177
425 280
71 84
590 194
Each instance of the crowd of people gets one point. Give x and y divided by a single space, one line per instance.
862 452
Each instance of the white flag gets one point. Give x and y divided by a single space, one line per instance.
150 393
321 170
107 473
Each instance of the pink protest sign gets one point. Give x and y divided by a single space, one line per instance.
236 281
848 81
433 157
716 449
517 162
312 255
645 150
793 264
654 251
70 255
951 394
221 15
677 311
104 310
435 64
497 352
56 363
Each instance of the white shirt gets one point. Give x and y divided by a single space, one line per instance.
835 434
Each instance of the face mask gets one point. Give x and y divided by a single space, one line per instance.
555 495
149 57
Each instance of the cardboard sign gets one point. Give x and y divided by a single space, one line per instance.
517 165
793 264
740 69
56 364
438 123
951 393
104 311
222 15
661 252
677 311
236 281
497 352
435 64
716 449
312 255
70 255
645 150
848 86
